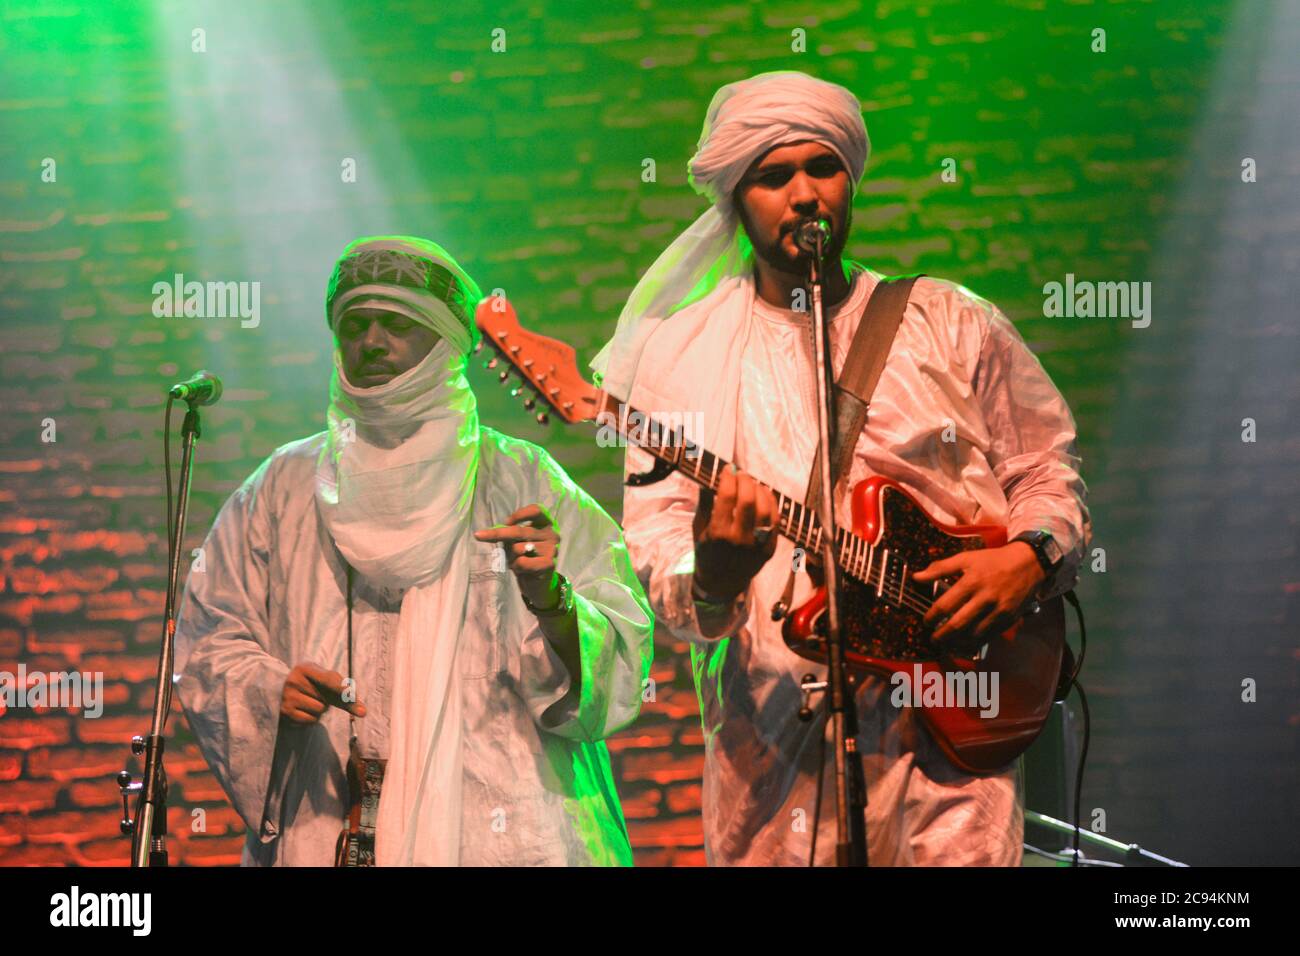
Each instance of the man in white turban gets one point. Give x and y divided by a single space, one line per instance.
393 593
964 416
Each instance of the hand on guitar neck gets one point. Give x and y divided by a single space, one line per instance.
728 551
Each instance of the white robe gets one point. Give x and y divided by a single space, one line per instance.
957 363
537 782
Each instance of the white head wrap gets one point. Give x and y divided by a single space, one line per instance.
395 489
410 276
745 120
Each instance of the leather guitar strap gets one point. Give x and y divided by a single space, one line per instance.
855 386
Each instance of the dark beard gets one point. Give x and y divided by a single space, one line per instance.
781 261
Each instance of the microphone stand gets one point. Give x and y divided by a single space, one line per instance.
151 809
850 788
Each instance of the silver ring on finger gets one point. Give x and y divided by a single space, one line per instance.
530 549
762 535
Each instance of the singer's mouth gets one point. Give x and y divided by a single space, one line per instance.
793 225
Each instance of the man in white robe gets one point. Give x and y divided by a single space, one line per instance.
498 631
964 416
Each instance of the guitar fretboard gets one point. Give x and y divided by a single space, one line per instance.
872 565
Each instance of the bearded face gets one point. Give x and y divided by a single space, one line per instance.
781 189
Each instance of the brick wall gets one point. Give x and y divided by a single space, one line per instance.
527 163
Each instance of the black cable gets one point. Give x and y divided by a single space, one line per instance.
1083 759
817 806
171 555
1087 717
167 471
1083 635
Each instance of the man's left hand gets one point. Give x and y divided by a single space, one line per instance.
989 595
533 567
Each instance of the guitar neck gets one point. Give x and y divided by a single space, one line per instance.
549 366
794 520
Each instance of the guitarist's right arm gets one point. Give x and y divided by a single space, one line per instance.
696 549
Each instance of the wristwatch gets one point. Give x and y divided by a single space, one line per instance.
562 607
1045 548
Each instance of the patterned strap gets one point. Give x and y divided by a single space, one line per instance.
356 846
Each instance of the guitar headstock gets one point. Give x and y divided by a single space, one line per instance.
548 366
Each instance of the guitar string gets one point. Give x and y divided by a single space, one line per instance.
909 597
673 454
678 448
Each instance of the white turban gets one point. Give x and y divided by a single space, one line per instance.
413 277
745 120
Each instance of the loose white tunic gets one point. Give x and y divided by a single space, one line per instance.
957 369
537 782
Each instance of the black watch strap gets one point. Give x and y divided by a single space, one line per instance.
1041 541
562 606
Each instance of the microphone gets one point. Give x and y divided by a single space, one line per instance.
811 235
203 388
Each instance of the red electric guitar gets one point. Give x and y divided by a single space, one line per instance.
881 607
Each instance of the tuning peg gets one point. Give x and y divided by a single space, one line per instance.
503 376
517 390
478 346
530 401
491 363
543 418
